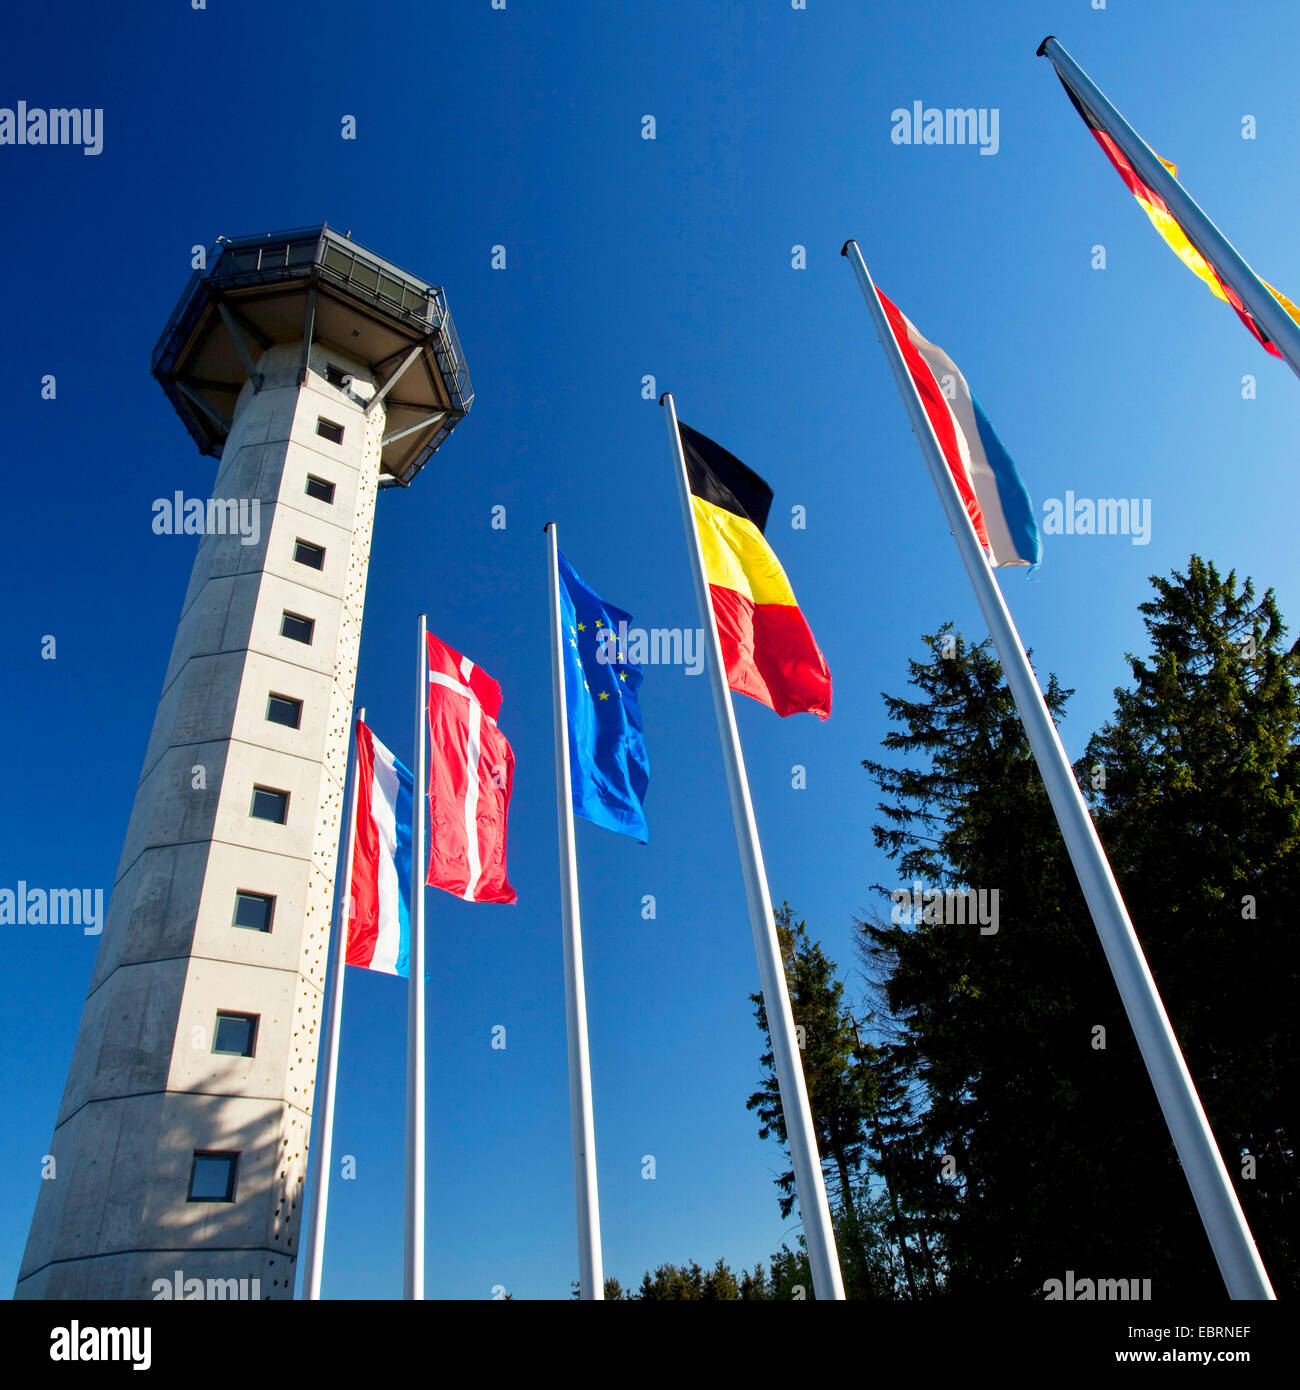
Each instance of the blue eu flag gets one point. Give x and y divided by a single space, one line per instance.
607 761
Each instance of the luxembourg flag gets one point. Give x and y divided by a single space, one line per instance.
379 921
994 497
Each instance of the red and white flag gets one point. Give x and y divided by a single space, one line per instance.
471 768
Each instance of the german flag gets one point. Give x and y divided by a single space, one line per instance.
767 646
1170 228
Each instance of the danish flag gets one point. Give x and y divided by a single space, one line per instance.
471 769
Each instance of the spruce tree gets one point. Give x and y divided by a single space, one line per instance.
1195 782
1019 1157
1052 1150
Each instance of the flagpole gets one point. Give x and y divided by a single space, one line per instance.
319 1178
810 1187
591 1278
1277 324
1225 1224
413 1282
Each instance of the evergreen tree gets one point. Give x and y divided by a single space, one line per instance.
1052 1150
721 1285
1195 783
1017 1161
791 1275
690 1283
672 1283
841 1096
753 1284
914 1205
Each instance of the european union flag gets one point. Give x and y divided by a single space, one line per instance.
608 769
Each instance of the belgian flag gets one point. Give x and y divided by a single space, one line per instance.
767 646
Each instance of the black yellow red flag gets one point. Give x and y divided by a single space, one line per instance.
767 646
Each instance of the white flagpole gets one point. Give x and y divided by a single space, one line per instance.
811 1189
1225 1224
414 1263
319 1179
1280 327
591 1277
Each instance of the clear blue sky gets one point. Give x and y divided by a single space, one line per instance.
626 257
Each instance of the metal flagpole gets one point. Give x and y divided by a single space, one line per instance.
591 1276
1280 327
818 1232
1234 1248
319 1189
413 1284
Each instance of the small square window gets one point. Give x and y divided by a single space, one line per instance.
307 554
284 709
327 429
235 1034
336 376
269 804
295 626
212 1178
319 488
254 910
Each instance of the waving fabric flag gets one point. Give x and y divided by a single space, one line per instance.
608 768
1168 226
767 646
471 770
379 920
991 491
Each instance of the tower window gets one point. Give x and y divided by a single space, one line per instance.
269 804
318 488
336 376
235 1034
295 626
284 709
212 1177
254 910
327 429
307 554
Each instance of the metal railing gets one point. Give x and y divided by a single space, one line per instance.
304 252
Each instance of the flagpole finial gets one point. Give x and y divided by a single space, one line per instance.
664 397
852 241
1042 47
